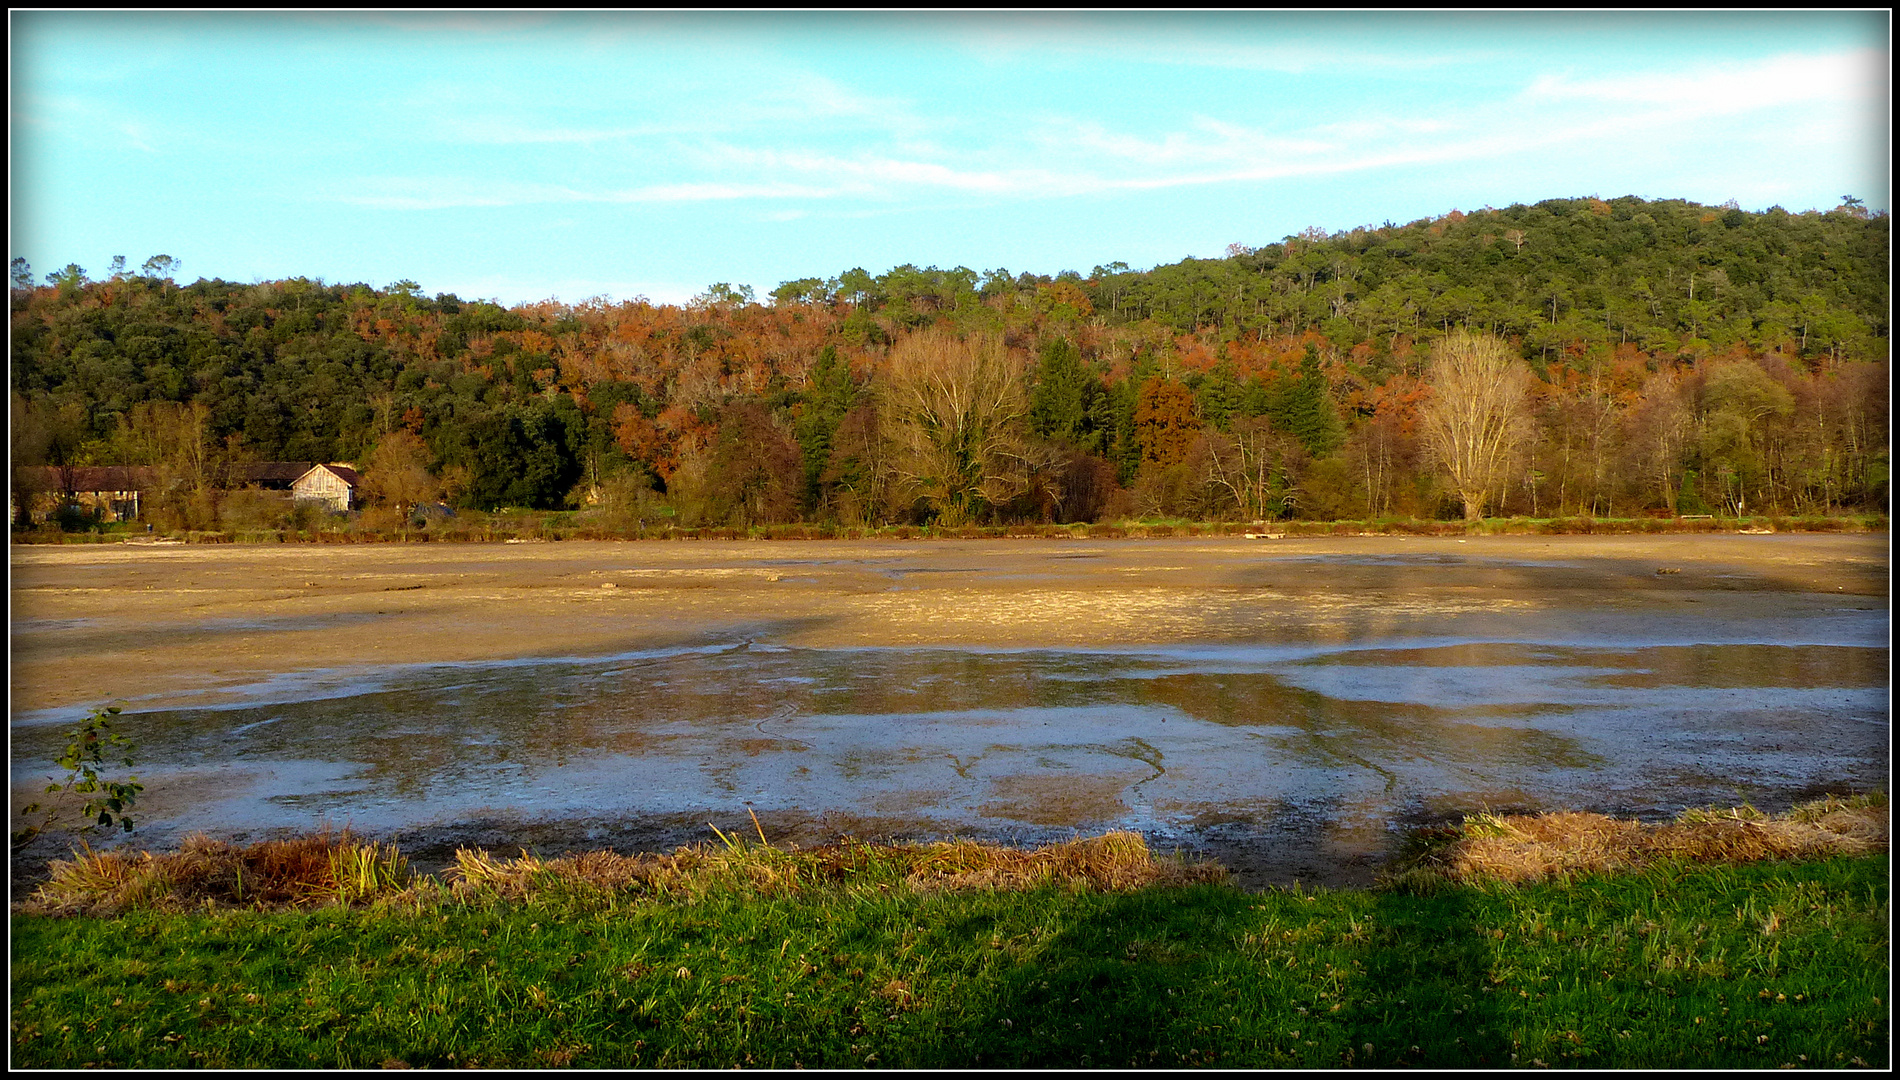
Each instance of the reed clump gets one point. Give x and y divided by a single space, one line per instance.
1528 848
326 867
1114 862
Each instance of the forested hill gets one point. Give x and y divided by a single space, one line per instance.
1632 314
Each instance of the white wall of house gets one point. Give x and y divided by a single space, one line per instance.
322 485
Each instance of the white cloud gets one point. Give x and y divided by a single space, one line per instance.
1853 77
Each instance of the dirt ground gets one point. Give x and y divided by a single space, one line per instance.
164 624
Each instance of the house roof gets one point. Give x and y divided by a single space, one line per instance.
97 478
269 472
342 472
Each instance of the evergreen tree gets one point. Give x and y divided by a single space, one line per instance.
831 394
1221 395
1062 404
1303 407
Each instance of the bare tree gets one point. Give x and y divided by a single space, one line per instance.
1657 431
1477 419
856 479
191 468
955 410
1253 465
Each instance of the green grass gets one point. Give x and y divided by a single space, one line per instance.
1748 966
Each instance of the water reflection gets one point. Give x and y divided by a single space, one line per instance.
1329 749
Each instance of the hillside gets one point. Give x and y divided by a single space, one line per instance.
1686 359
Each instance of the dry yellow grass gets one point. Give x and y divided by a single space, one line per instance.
1117 861
324 867
336 868
1519 848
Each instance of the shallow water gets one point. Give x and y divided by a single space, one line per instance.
1288 761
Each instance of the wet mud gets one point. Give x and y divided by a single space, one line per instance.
1292 708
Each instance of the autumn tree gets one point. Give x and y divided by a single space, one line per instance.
754 476
1384 448
43 433
1656 434
1064 300
1082 487
1165 424
1740 402
954 409
397 472
189 465
857 479
644 442
1477 419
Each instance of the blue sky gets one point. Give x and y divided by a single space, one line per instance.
530 156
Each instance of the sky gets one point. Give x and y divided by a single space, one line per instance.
521 157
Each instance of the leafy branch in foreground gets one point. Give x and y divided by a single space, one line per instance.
87 747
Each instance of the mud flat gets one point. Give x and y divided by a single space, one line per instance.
1286 704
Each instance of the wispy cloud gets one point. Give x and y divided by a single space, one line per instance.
1208 141
1851 77
808 96
1056 156
1275 44
87 120
499 132
387 193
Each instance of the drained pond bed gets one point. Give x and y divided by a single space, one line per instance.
978 803
1290 707
1690 945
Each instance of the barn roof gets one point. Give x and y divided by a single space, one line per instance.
98 478
342 472
269 472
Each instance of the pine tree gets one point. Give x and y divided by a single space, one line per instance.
1061 405
1302 406
830 395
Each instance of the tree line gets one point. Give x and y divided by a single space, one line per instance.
1652 357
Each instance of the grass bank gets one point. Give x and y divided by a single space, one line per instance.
1088 954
